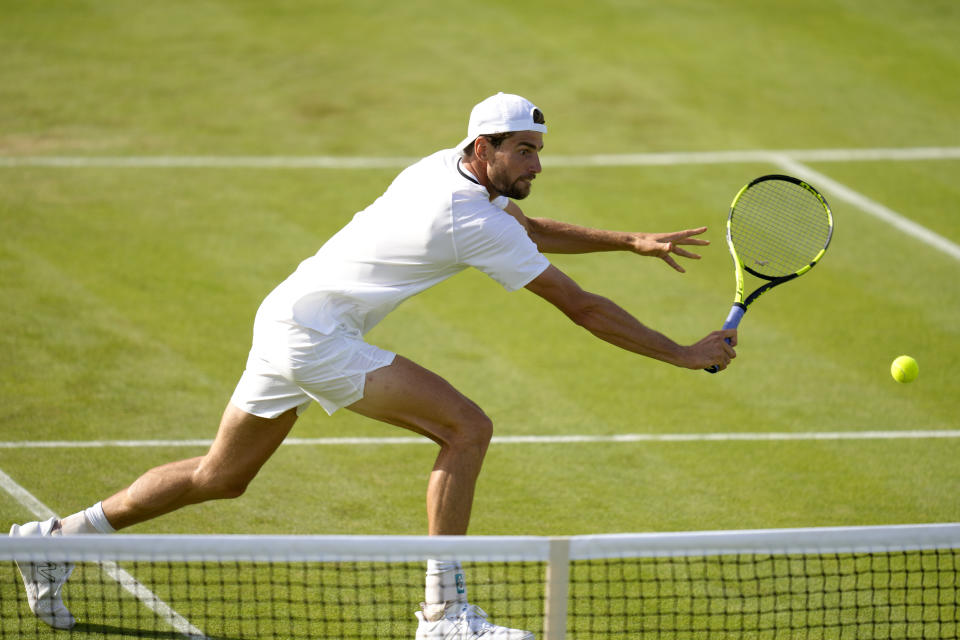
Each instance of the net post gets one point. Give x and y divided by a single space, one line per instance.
555 601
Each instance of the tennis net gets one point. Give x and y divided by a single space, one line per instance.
861 582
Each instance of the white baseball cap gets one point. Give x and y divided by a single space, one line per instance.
502 113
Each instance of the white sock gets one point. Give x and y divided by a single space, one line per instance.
90 520
445 583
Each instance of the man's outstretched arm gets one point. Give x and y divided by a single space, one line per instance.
553 236
609 322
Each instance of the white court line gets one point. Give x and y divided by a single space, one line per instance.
789 160
127 581
207 162
531 439
869 206
598 160
759 156
39 510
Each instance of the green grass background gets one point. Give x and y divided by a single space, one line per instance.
128 294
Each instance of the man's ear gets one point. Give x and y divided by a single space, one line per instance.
481 148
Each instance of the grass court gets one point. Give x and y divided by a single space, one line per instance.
130 283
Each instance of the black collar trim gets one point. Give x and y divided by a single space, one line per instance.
465 174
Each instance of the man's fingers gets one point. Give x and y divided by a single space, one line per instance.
673 263
667 243
729 336
717 348
684 237
686 254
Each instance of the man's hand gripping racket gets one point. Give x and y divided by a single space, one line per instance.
778 229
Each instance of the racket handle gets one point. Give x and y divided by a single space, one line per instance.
732 322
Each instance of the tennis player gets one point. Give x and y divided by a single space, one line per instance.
449 211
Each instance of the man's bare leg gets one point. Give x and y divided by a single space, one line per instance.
243 444
407 395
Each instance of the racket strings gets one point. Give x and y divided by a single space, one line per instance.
778 227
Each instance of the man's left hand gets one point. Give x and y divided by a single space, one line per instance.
667 245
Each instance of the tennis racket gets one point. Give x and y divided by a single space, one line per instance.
778 229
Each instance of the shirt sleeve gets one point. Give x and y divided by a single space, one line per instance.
491 240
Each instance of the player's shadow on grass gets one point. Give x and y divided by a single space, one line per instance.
111 631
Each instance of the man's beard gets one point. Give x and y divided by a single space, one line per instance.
517 190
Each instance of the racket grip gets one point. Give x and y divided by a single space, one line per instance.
732 322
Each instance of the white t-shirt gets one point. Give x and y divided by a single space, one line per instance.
433 221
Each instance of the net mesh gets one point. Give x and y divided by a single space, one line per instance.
902 595
778 227
873 582
277 599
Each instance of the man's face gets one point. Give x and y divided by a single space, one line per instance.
512 168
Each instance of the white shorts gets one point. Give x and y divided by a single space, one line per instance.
290 365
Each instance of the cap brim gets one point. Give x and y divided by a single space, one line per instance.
465 142
539 128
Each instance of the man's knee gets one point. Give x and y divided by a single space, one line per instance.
473 430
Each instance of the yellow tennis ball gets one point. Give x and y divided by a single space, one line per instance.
904 369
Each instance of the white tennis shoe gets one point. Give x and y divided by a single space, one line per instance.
44 580
461 621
